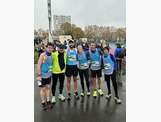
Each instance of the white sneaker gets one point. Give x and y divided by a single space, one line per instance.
117 100
88 93
53 100
82 94
61 97
108 96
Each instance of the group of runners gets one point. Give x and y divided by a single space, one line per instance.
53 66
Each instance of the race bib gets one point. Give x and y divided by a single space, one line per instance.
95 63
108 66
84 64
72 58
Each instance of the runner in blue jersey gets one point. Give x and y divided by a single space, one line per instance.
109 63
119 56
71 69
95 67
83 66
44 76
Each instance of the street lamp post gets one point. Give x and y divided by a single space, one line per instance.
50 20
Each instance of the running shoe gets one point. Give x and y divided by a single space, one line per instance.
88 93
61 97
69 97
117 100
49 105
53 100
44 106
82 94
95 93
76 95
100 92
108 96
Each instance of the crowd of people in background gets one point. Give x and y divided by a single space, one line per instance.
90 61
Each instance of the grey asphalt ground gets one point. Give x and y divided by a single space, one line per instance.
85 109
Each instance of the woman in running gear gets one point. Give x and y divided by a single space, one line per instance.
83 66
110 66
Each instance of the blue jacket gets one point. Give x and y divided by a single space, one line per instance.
118 51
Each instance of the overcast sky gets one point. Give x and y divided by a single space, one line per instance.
83 12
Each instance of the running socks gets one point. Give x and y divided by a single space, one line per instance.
48 99
69 94
69 97
76 93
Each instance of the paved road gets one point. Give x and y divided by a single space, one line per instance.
83 110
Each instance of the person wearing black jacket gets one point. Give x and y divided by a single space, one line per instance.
58 72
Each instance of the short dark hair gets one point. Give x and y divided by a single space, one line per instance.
93 42
71 41
49 44
118 45
106 48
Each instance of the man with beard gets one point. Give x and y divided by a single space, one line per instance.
44 76
95 67
71 69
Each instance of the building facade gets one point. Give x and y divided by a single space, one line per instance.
59 20
63 38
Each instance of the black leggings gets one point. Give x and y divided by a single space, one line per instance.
61 80
84 73
113 78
